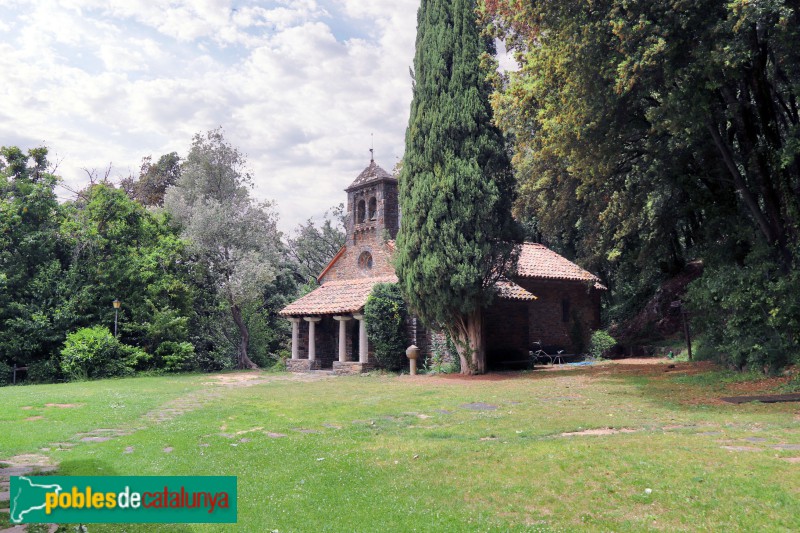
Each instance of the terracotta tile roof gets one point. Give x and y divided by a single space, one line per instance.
508 290
372 173
341 296
538 261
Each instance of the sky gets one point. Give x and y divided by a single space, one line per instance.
299 86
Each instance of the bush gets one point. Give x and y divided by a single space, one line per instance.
748 315
600 343
385 313
175 356
92 353
279 366
44 371
5 374
216 359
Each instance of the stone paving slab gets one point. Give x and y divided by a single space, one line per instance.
95 439
16 471
786 446
478 406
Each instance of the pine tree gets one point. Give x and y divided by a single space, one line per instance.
456 186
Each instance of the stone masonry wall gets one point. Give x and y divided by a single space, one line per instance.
559 305
368 236
387 214
347 266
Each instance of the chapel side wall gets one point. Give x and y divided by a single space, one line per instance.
506 326
346 267
546 315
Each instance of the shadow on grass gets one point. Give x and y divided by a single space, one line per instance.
700 386
93 467
85 467
637 367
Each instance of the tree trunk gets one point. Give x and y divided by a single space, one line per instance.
244 362
468 337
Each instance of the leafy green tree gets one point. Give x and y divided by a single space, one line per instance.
233 235
270 333
456 186
385 314
649 133
312 246
122 251
154 180
33 257
748 313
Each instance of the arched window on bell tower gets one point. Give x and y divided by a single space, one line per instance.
361 212
373 208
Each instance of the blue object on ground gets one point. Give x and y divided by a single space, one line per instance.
582 363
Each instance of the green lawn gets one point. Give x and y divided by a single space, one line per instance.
385 453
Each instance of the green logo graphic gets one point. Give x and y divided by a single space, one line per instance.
123 499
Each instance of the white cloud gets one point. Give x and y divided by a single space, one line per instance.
298 86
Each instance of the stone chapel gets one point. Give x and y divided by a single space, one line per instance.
552 302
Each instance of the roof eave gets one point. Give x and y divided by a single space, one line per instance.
333 261
551 278
375 181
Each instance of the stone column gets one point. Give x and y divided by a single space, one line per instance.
295 337
363 349
312 348
342 320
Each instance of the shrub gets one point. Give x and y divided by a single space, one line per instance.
279 366
176 356
748 315
600 343
385 313
434 364
5 374
44 371
92 353
219 358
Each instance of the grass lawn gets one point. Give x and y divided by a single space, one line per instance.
391 453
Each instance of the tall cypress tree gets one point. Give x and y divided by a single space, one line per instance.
456 186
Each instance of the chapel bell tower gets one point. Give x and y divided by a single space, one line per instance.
372 207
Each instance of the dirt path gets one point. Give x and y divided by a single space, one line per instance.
216 384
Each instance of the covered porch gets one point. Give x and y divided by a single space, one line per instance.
329 342
329 331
